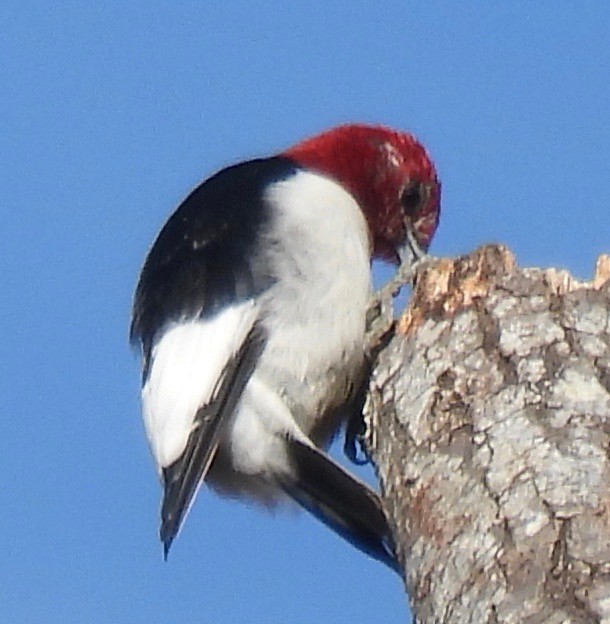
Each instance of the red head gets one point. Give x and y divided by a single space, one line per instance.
390 175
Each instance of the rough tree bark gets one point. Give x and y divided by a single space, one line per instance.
489 424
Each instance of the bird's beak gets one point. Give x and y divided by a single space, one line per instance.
410 251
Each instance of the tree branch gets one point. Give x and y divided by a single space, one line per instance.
488 419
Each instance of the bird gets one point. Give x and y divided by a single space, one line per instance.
249 317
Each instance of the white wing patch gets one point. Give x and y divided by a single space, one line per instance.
187 361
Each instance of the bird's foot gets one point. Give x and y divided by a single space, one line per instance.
380 312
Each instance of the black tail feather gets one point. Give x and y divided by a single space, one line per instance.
345 504
183 478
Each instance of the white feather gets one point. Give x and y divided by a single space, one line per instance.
257 433
187 361
314 317
315 312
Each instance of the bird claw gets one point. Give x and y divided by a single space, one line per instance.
380 312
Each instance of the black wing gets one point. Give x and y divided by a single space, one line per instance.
206 257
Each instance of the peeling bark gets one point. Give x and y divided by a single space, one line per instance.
488 419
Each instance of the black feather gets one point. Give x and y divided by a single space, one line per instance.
205 257
346 505
183 477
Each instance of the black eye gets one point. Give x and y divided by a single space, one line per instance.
411 197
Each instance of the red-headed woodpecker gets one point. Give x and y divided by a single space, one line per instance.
250 313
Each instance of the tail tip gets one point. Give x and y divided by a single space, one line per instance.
166 546
166 535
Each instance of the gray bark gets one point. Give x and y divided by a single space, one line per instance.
489 424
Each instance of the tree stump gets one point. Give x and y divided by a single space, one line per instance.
488 421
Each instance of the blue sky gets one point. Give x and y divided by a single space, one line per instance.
109 114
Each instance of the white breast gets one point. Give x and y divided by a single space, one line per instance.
315 312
